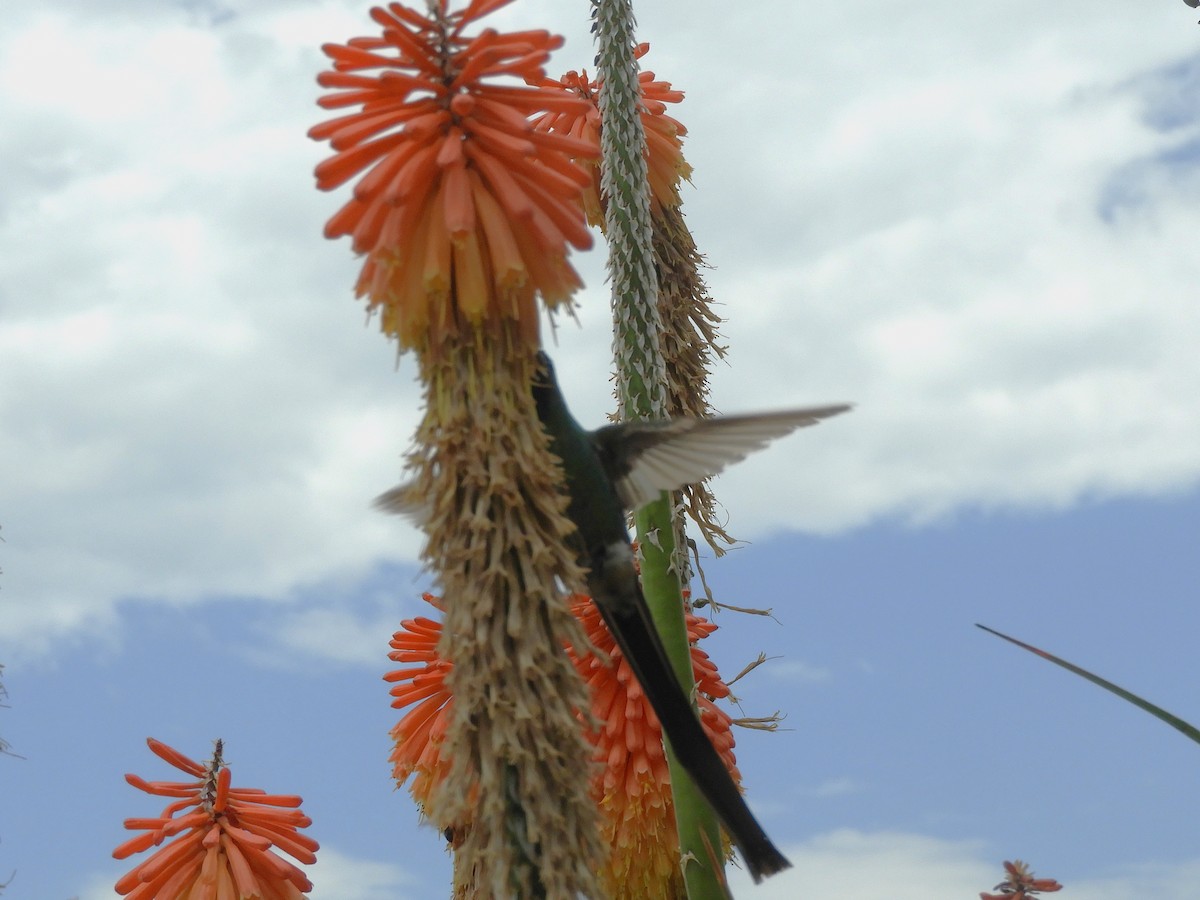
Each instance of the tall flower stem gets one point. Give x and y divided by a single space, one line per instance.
465 215
641 386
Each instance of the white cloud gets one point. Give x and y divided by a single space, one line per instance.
855 865
976 221
848 864
182 414
98 887
339 876
1161 881
834 787
859 865
347 636
796 671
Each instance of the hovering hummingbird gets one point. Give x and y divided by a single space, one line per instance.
622 467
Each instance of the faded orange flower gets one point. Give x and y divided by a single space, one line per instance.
631 784
664 136
221 847
1020 884
465 212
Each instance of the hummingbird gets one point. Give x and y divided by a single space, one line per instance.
622 467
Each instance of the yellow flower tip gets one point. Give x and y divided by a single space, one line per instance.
219 839
464 211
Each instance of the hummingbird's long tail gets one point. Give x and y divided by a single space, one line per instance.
628 618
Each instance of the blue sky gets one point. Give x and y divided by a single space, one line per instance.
976 221
904 725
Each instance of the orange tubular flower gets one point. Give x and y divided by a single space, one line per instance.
419 734
220 847
465 211
664 136
1020 884
632 785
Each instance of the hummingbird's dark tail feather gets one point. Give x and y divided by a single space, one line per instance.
629 621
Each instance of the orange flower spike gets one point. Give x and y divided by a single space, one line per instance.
634 788
632 785
223 846
419 734
430 124
664 148
1020 884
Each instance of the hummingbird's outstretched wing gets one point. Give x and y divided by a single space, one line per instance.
645 458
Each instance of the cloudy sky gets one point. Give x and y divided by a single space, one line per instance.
976 221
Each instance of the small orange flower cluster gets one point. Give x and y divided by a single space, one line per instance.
664 136
419 734
630 739
633 788
223 848
632 785
465 211
1020 884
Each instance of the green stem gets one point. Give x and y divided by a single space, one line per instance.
699 831
642 390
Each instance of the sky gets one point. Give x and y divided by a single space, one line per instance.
977 222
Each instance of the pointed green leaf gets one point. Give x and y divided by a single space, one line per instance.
1174 721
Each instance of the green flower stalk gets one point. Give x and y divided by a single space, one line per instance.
688 335
641 389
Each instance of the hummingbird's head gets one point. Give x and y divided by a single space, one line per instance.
543 377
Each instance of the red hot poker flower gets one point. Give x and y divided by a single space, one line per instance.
632 783
419 734
664 135
464 211
634 786
1020 884
221 846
